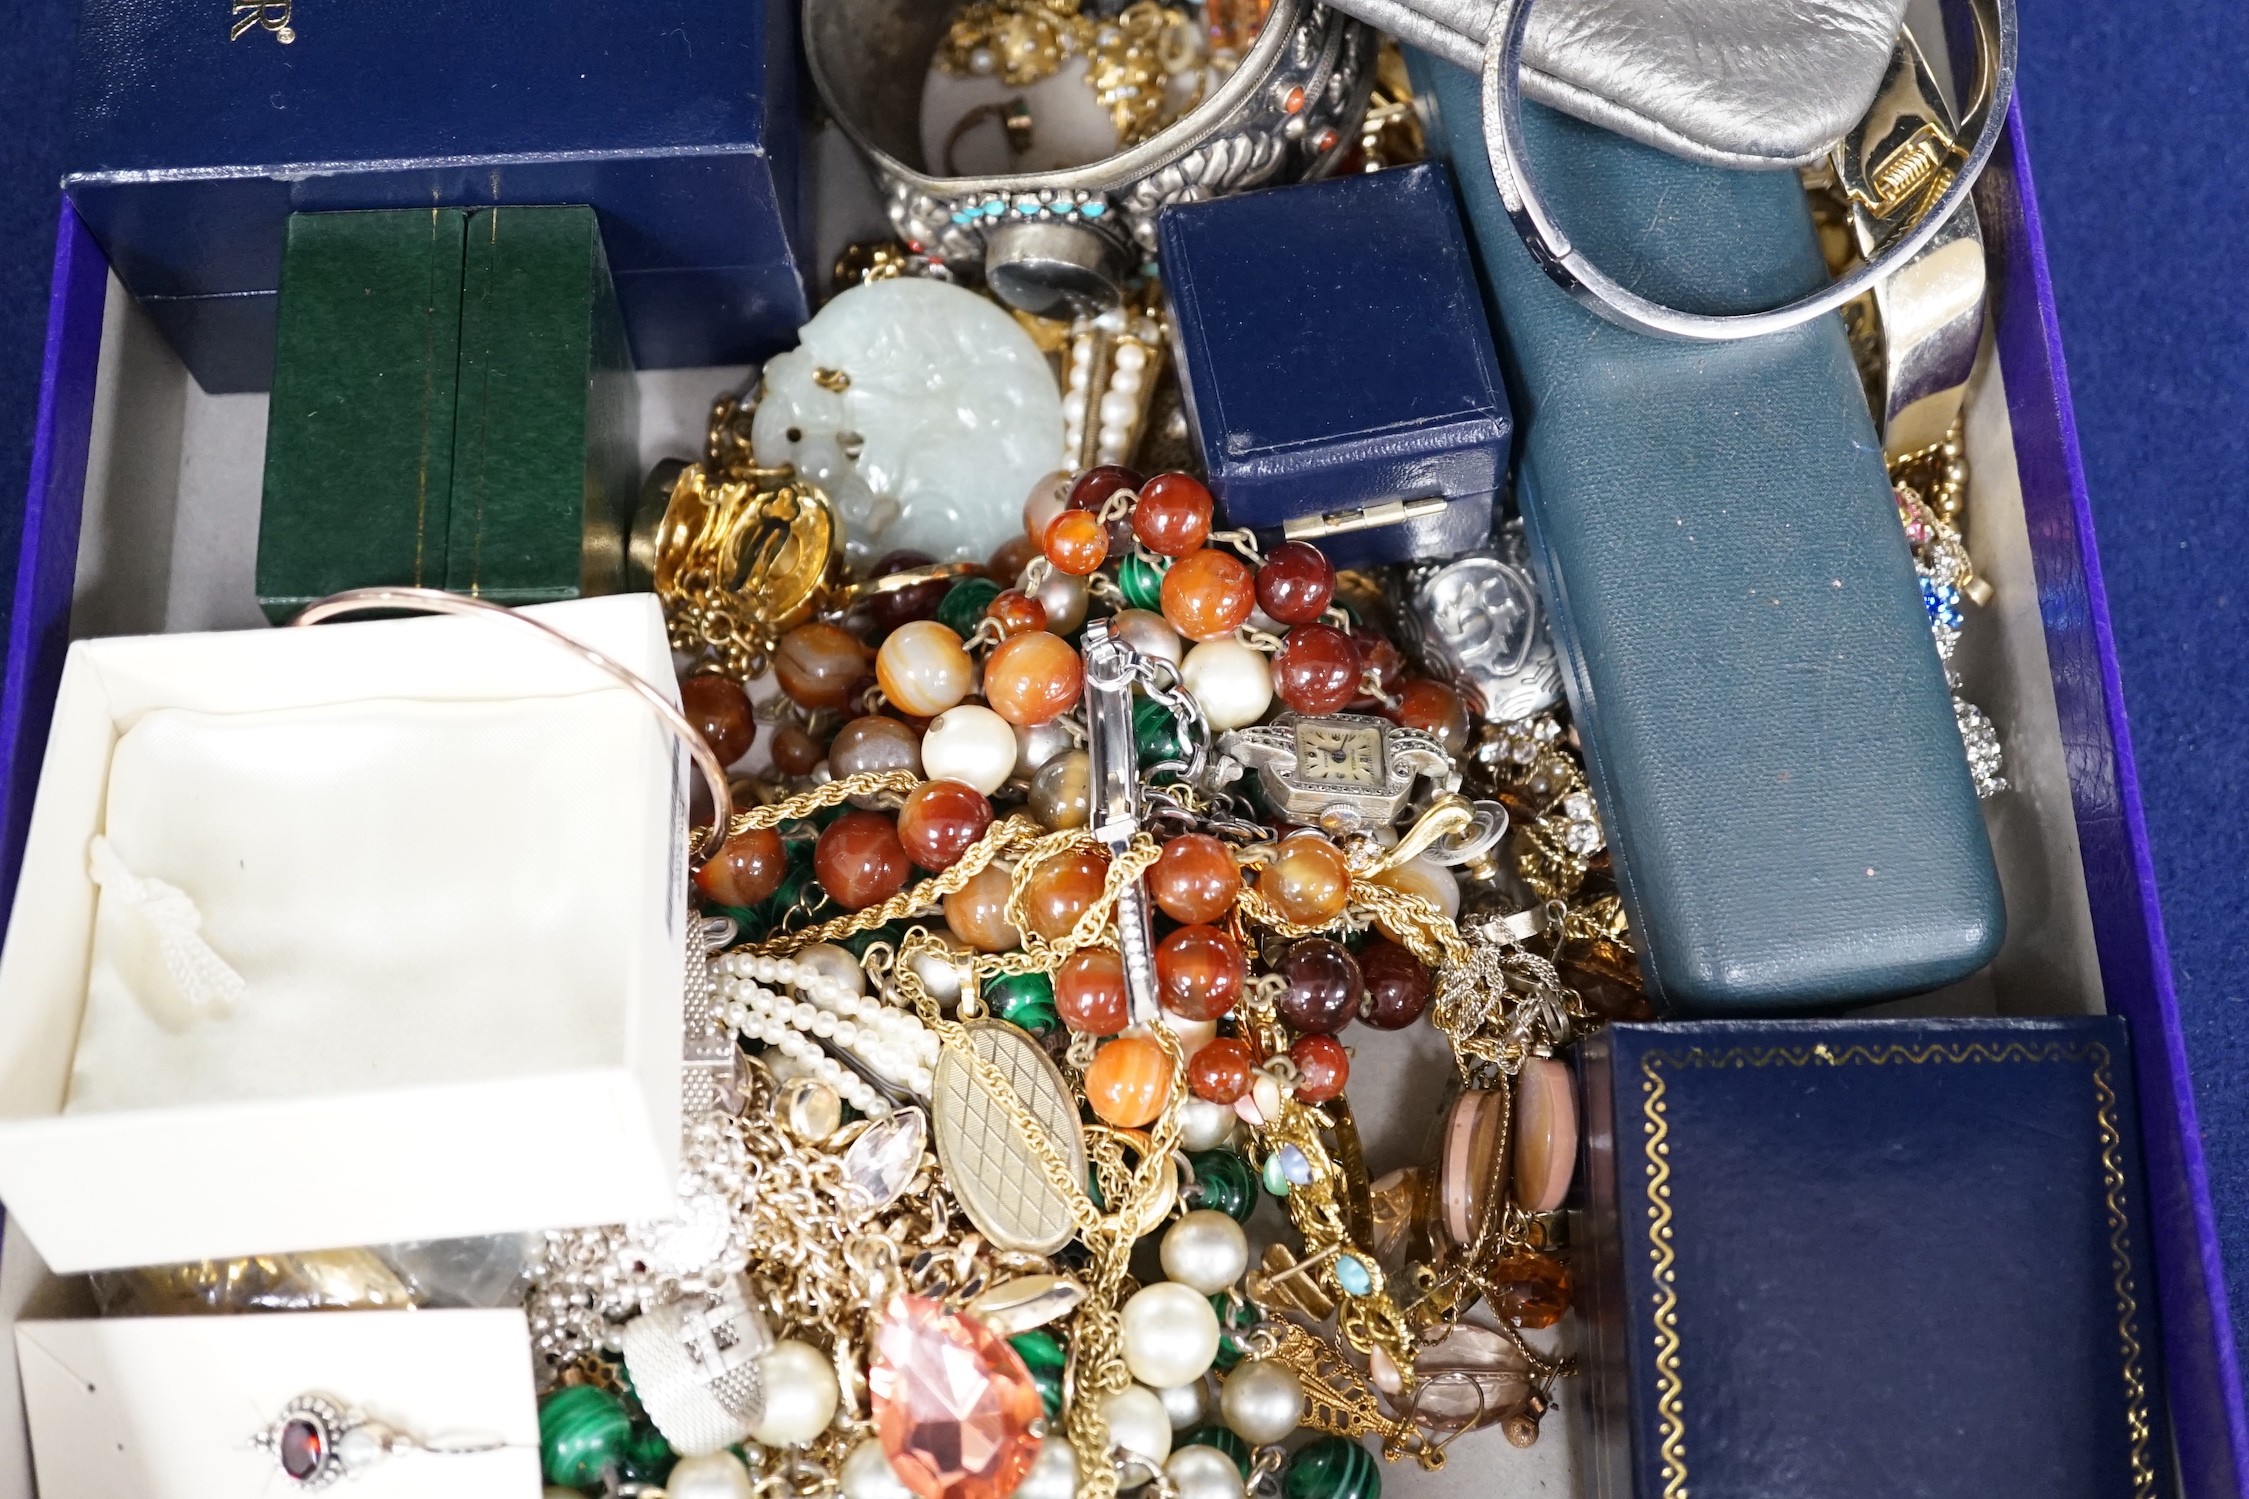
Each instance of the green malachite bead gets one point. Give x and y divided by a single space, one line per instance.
1331 1468
1141 582
1155 733
1223 1437
1223 1180
1040 1349
1232 1318
1050 1390
1013 990
649 1459
583 1432
964 605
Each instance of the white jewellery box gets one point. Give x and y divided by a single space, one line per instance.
202 1407
347 934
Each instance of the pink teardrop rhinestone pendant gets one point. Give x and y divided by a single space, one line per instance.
954 1404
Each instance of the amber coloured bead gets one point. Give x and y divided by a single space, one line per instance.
1194 879
1089 992
1063 888
1397 985
1015 611
746 869
795 752
818 664
1219 1070
893 607
720 711
859 860
1296 584
1129 1082
1033 678
1306 880
940 820
1380 665
1077 543
1324 986
1530 1290
1323 1068
1316 670
1208 594
1007 563
1435 709
1199 972
1172 515
1091 490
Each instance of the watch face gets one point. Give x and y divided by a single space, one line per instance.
1330 754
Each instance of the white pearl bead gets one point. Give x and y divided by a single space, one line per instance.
1193 1035
970 744
1170 1334
800 1393
1200 1472
1053 1475
1204 1125
867 1474
832 962
1206 1250
1117 408
1186 1404
1139 1424
1073 406
1262 1400
823 1024
1125 381
1131 357
1229 681
714 1475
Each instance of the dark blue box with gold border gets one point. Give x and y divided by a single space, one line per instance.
1869 1258
199 126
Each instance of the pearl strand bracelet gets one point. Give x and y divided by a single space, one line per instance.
893 1044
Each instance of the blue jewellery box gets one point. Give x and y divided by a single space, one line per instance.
201 125
1868 1258
1337 365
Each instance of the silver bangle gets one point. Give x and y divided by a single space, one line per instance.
1610 299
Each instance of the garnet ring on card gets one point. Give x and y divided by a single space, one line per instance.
318 1440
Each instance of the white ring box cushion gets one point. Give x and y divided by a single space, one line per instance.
445 858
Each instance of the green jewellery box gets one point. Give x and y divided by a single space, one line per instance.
453 407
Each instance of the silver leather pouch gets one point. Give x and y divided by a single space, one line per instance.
1735 83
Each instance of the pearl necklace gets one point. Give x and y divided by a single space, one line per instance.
893 1044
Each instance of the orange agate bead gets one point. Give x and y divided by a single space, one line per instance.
1129 1082
1077 542
1208 594
1033 678
1062 889
1016 611
859 860
1089 992
977 912
940 820
1199 972
1194 879
1307 880
746 869
1172 515
1436 709
1322 1068
818 664
1219 1070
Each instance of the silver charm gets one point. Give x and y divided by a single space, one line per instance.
707 1051
1111 669
1477 622
992 1169
694 1365
1343 771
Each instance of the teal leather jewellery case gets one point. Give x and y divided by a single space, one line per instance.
1766 723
